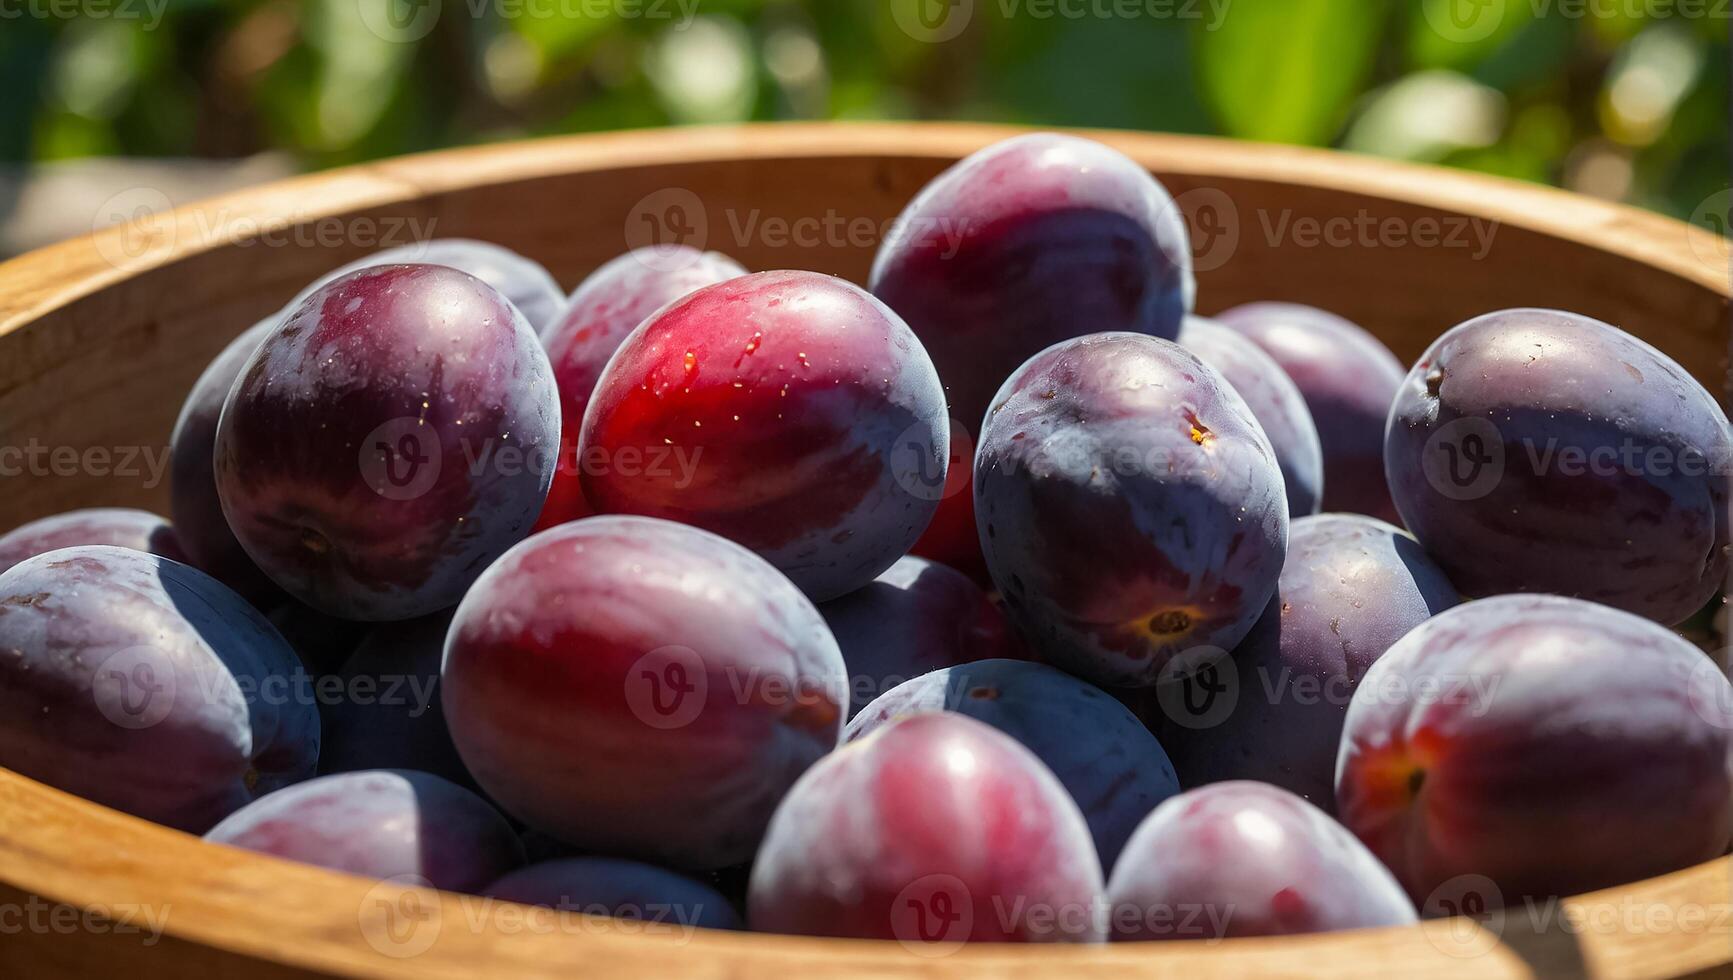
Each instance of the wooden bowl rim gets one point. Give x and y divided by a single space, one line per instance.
249 908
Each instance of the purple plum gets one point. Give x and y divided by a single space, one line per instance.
1247 859
1348 378
147 686
1541 451
387 441
1109 763
383 823
120 527
610 679
1130 507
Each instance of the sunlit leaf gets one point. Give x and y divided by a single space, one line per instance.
1288 71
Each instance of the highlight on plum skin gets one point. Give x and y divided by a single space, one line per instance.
935 831
1241 859
139 683
917 617
1348 378
1351 587
664 901
120 527
1275 401
1027 243
384 824
788 411
1130 508
1543 451
390 438
601 313
1528 741
1111 765
609 679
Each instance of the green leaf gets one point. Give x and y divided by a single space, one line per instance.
1288 71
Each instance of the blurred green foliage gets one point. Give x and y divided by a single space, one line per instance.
1621 98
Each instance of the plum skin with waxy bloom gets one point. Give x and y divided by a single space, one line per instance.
1530 739
381 823
1544 451
141 683
1130 507
1351 587
1256 860
1348 379
666 900
1029 242
390 438
120 527
611 679
936 829
788 411
602 312
917 617
1275 401
1102 754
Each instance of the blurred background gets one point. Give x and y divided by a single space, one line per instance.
1622 99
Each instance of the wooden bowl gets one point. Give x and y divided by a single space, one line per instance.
101 337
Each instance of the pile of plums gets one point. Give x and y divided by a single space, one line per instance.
1005 599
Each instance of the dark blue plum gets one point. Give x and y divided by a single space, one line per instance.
1348 378
1109 763
1542 451
148 686
662 899
1351 587
193 500
916 617
1130 507
383 823
389 714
